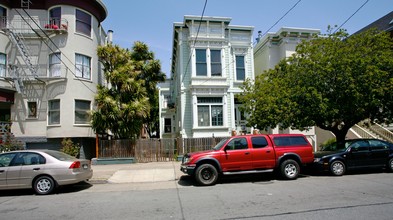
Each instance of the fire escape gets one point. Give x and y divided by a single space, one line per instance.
24 72
22 30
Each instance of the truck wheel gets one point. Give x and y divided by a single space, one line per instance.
206 174
337 168
289 169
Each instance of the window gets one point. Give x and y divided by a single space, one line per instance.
83 23
82 64
54 112
82 109
215 62
3 17
210 111
201 65
259 142
3 64
240 68
167 125
378 145
237 144
55 17
55 65
32 109
360 146
290 141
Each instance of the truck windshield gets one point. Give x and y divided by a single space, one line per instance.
220 144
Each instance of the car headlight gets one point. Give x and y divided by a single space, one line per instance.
186 159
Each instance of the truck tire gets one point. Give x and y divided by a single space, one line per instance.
289 169
337 168
206 174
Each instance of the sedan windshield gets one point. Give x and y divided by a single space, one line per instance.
220 144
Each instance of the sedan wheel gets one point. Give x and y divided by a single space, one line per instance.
390 165
44 185
337 168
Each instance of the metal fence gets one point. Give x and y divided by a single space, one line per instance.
149 150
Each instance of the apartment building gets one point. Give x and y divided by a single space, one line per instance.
275 46
210 60
49 69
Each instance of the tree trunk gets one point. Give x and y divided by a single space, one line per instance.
340 135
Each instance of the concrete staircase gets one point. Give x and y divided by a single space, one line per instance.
368 130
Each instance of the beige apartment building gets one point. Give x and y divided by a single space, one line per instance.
49 70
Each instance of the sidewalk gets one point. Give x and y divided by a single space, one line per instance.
136 172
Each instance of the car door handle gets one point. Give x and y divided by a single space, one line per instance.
247 153
268 151
36 168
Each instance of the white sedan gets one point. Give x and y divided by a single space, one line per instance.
42 170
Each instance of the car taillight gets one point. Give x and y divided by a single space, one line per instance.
75 165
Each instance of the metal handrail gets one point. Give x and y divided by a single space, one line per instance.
383 132
27 25
360 132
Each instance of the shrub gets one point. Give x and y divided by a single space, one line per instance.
69 147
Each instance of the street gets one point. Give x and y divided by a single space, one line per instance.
354 196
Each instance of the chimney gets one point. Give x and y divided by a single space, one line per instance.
259 36
109 37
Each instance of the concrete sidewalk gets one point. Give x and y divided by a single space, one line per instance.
136 172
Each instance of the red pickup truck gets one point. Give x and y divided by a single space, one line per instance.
250 154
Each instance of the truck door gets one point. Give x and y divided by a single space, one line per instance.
237 155
263 155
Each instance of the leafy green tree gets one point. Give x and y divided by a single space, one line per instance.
124 105
333 82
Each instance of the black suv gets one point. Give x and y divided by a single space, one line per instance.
354 153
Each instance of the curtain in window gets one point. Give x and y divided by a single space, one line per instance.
55 65
82 66
2 64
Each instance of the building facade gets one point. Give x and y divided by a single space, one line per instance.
49 69
273 47
210 61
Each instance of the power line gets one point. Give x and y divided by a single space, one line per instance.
196 37
351 16
283 16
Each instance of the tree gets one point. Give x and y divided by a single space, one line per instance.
333 82
123 106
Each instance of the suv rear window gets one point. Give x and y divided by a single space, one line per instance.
290 141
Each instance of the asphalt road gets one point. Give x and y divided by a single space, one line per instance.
355 196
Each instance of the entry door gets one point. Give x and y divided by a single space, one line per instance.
237 155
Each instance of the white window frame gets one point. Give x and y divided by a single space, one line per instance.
82 66
3 65
237 68
210 106
82 111
81 22
54 112
55 64
208 62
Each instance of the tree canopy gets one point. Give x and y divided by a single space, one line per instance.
129 99
333 81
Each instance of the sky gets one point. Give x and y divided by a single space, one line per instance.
151 21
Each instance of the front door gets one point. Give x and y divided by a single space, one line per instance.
237 155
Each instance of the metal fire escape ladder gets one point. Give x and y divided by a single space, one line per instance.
20 76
